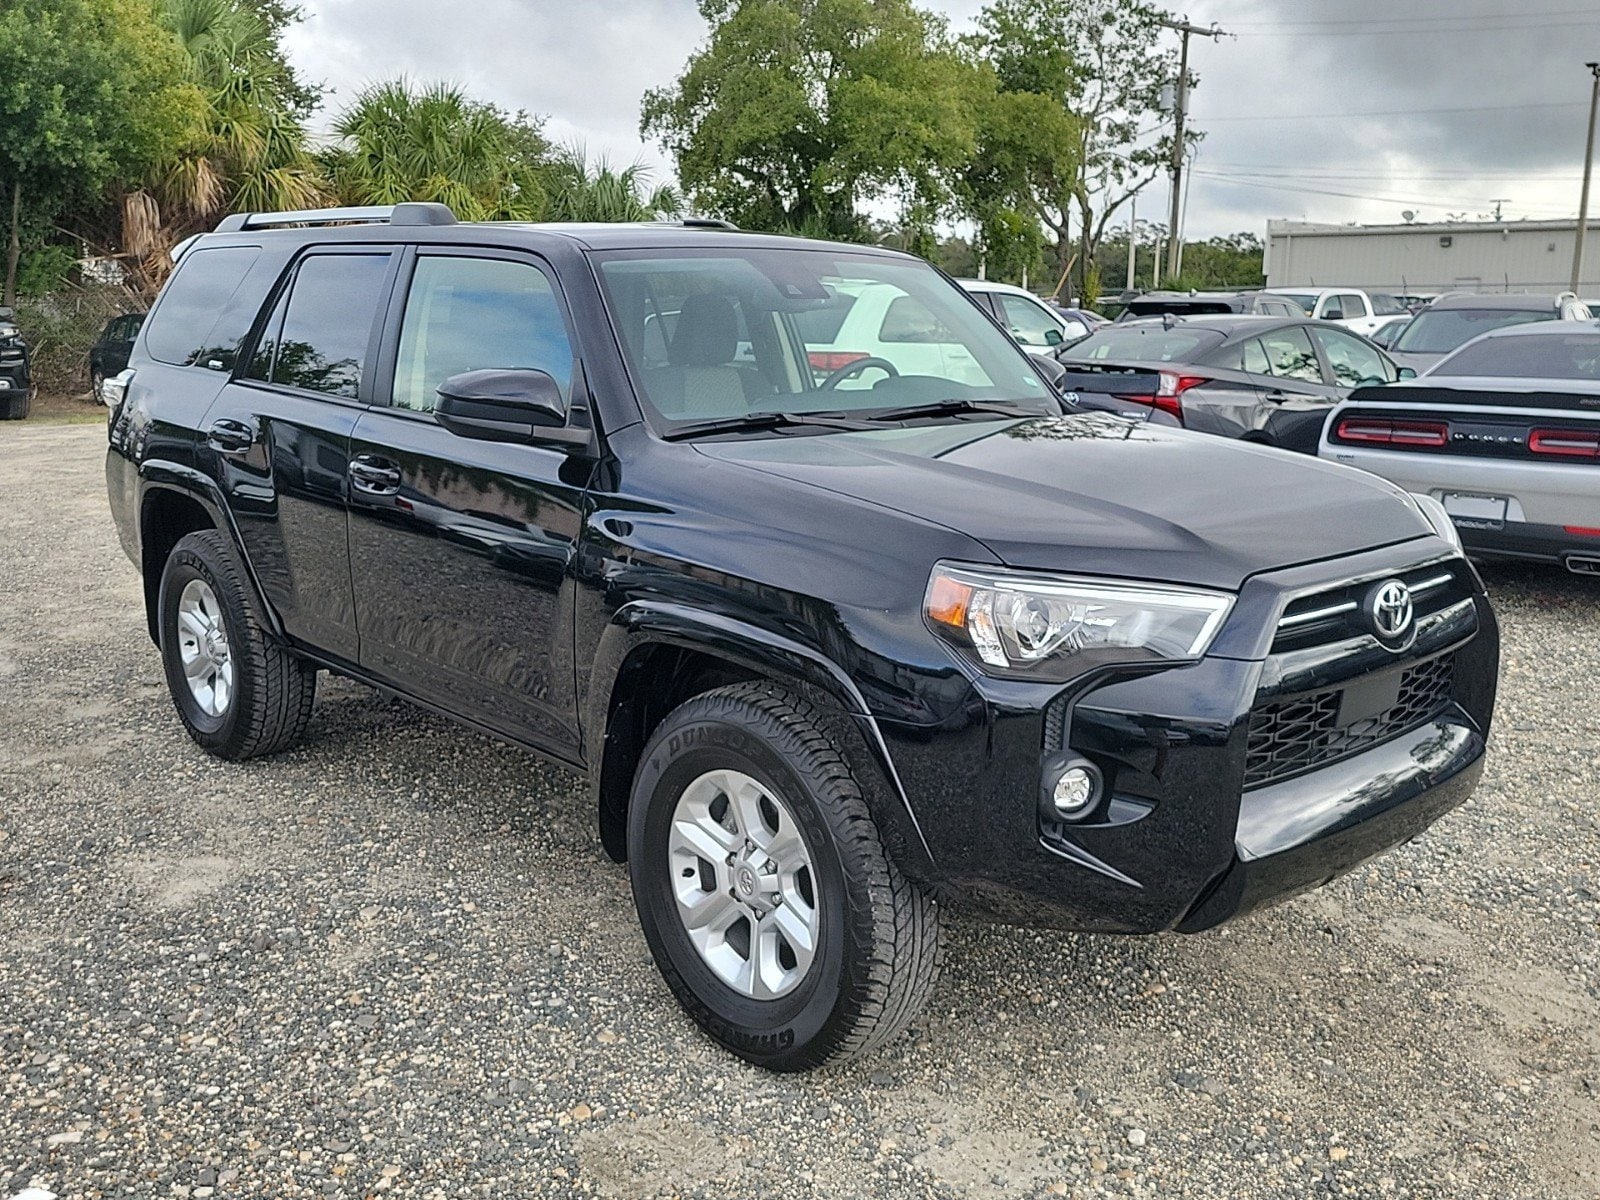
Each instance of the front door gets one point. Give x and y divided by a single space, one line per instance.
461 550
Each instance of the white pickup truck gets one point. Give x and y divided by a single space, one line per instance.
1361 311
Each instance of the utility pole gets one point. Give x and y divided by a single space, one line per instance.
1588 165
1180 111
1133 237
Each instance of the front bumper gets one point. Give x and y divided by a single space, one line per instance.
1182 842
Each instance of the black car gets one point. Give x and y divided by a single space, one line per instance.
1197 304
16 373
1263 379
110 351
834 652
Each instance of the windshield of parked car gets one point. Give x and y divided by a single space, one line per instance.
1441 330
1528 356
712 334
1306 300
1136 341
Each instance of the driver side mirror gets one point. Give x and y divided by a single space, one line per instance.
522 405
1405 373
1052 337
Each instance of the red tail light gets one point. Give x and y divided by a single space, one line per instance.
1168 393
1565 443
829 361
1385 431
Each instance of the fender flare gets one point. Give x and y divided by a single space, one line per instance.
772 656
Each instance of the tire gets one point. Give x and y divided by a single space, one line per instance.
267 702
876 948
97 381
14 405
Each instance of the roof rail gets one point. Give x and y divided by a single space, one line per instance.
411 213
708 223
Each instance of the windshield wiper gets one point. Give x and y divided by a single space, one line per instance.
758 422
950 408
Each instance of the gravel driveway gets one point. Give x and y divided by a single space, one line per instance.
396 961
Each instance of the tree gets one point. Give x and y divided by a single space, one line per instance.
397 143
1099 62
797 111
91 92
578 192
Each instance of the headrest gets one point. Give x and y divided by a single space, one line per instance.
707 332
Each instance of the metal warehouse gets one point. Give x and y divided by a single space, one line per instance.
1491 256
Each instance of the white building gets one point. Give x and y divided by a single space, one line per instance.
1487 256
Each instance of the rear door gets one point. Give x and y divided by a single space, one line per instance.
461 549
279 436
1293 387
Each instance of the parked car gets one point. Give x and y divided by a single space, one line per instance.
1357 310
110 351
1385 338
1190 304
16 369
1504 433
1452 321
831 658
1038 327
1264 379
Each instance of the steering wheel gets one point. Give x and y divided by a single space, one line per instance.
855 368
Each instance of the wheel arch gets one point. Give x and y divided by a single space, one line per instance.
654 656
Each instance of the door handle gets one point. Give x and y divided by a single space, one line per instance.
230 437
374 476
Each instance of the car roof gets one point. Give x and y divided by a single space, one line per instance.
1516 302
1308 291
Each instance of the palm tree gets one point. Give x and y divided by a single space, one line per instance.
400 143
579 192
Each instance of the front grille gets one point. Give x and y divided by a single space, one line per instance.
1291 737
1335 615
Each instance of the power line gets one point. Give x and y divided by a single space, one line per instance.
1389 112
1439 20
1386 199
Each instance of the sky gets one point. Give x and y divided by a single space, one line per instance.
1354 111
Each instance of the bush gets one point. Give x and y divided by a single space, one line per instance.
61 326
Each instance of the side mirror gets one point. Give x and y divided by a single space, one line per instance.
1052 337
1052 370
1405 373
506 406
6 314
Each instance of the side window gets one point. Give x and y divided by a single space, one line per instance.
1290 356
1351 359
1028 322
1255 358
318 335
1332 309
908 319
1354 306
470 314
196 322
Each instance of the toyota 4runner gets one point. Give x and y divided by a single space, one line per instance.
838 639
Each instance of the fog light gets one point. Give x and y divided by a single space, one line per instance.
1070 788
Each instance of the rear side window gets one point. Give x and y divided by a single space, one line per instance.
318 336
202 320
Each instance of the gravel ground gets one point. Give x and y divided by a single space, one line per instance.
396 961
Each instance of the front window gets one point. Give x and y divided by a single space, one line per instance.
723 333
1441 330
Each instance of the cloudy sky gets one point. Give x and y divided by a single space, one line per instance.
1354 111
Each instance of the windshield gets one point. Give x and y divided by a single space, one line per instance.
712 334
1306 300
1441 330
1141 342
1528 356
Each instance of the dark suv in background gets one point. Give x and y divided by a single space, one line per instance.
836 644
16 369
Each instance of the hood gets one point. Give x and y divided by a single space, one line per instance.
1098 495
1419 361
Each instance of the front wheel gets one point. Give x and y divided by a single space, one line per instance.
766 896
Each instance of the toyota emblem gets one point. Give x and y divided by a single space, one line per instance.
1389 610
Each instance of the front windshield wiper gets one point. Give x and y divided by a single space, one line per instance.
758 422
950 408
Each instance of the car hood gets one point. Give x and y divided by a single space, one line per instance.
1098 494
1417 360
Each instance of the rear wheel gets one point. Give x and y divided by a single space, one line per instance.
765 893
238 691
97 383
14 404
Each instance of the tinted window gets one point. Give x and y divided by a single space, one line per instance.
1290 356
1352 305
1255 358
1029 323
1353 360
1528 356
474 314
197 321
1441 330
1306 300
1146 343
326 325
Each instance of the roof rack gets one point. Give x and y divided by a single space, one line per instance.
412 213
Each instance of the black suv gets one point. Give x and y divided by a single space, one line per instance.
16 370
838 635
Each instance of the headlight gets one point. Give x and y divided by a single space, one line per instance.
1056 627
1438 518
